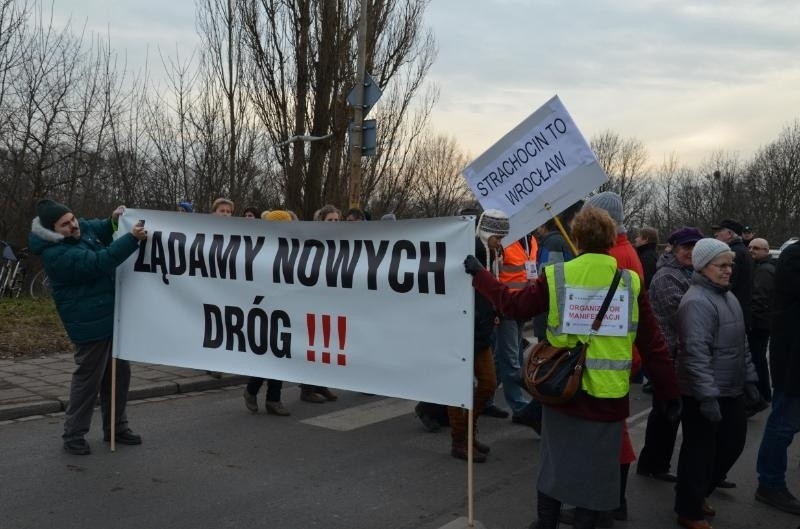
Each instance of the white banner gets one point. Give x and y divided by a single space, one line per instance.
536 171
376 307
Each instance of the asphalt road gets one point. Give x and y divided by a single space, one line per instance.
361 462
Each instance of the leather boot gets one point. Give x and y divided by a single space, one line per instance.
308 395
459 451
547 509
478 446
483 448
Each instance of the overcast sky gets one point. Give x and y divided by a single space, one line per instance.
684 76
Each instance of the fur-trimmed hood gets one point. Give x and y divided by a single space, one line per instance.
40 237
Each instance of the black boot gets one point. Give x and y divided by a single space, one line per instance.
547 509
621 512
585 518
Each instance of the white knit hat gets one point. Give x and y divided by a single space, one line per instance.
705 250
612 204
492 222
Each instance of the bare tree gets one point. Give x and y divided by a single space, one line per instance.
438 187
772 185
13 14
663 211
302 57
170 131
625 163
38 104
221 62
13 40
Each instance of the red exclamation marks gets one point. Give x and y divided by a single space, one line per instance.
341 328
340 358
310 324
326 338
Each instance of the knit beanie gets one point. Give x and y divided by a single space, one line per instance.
612 204
492 222
49 211
705 250
276 214
684 236
186 206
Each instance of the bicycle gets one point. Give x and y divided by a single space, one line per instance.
40 285
12 271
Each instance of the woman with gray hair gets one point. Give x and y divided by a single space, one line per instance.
715 375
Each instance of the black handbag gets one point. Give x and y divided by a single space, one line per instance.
553 374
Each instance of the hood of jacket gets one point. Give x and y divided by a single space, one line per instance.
40 237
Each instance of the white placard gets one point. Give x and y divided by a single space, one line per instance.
581 306
377 307
536 171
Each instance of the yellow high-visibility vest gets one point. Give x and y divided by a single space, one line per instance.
608 358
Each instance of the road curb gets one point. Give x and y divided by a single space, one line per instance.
188 385
26 409
158 389
142 391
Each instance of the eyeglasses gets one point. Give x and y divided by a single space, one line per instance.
759 248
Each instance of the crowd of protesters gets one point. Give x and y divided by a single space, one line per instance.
712 328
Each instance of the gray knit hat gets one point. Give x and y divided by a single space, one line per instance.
611 203
705 250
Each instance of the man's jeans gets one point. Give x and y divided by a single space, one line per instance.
507 361
783 423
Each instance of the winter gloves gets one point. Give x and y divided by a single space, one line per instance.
472 266
709 408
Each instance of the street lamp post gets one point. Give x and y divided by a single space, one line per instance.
357 136
304 138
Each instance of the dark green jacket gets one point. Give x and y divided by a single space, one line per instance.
81 274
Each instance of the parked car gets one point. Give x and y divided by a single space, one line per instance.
775 253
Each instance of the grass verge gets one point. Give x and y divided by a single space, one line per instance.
30 328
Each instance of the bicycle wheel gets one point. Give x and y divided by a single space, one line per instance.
17 280
4 271
40 286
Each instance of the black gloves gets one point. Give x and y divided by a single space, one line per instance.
672 409
751 394
709 408
472 266
754 402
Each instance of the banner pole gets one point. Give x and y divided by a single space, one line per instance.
563 232
470 442
113 398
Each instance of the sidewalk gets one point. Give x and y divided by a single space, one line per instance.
38 386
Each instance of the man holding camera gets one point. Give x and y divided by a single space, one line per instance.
80 258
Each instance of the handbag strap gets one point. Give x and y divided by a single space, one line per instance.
606 302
